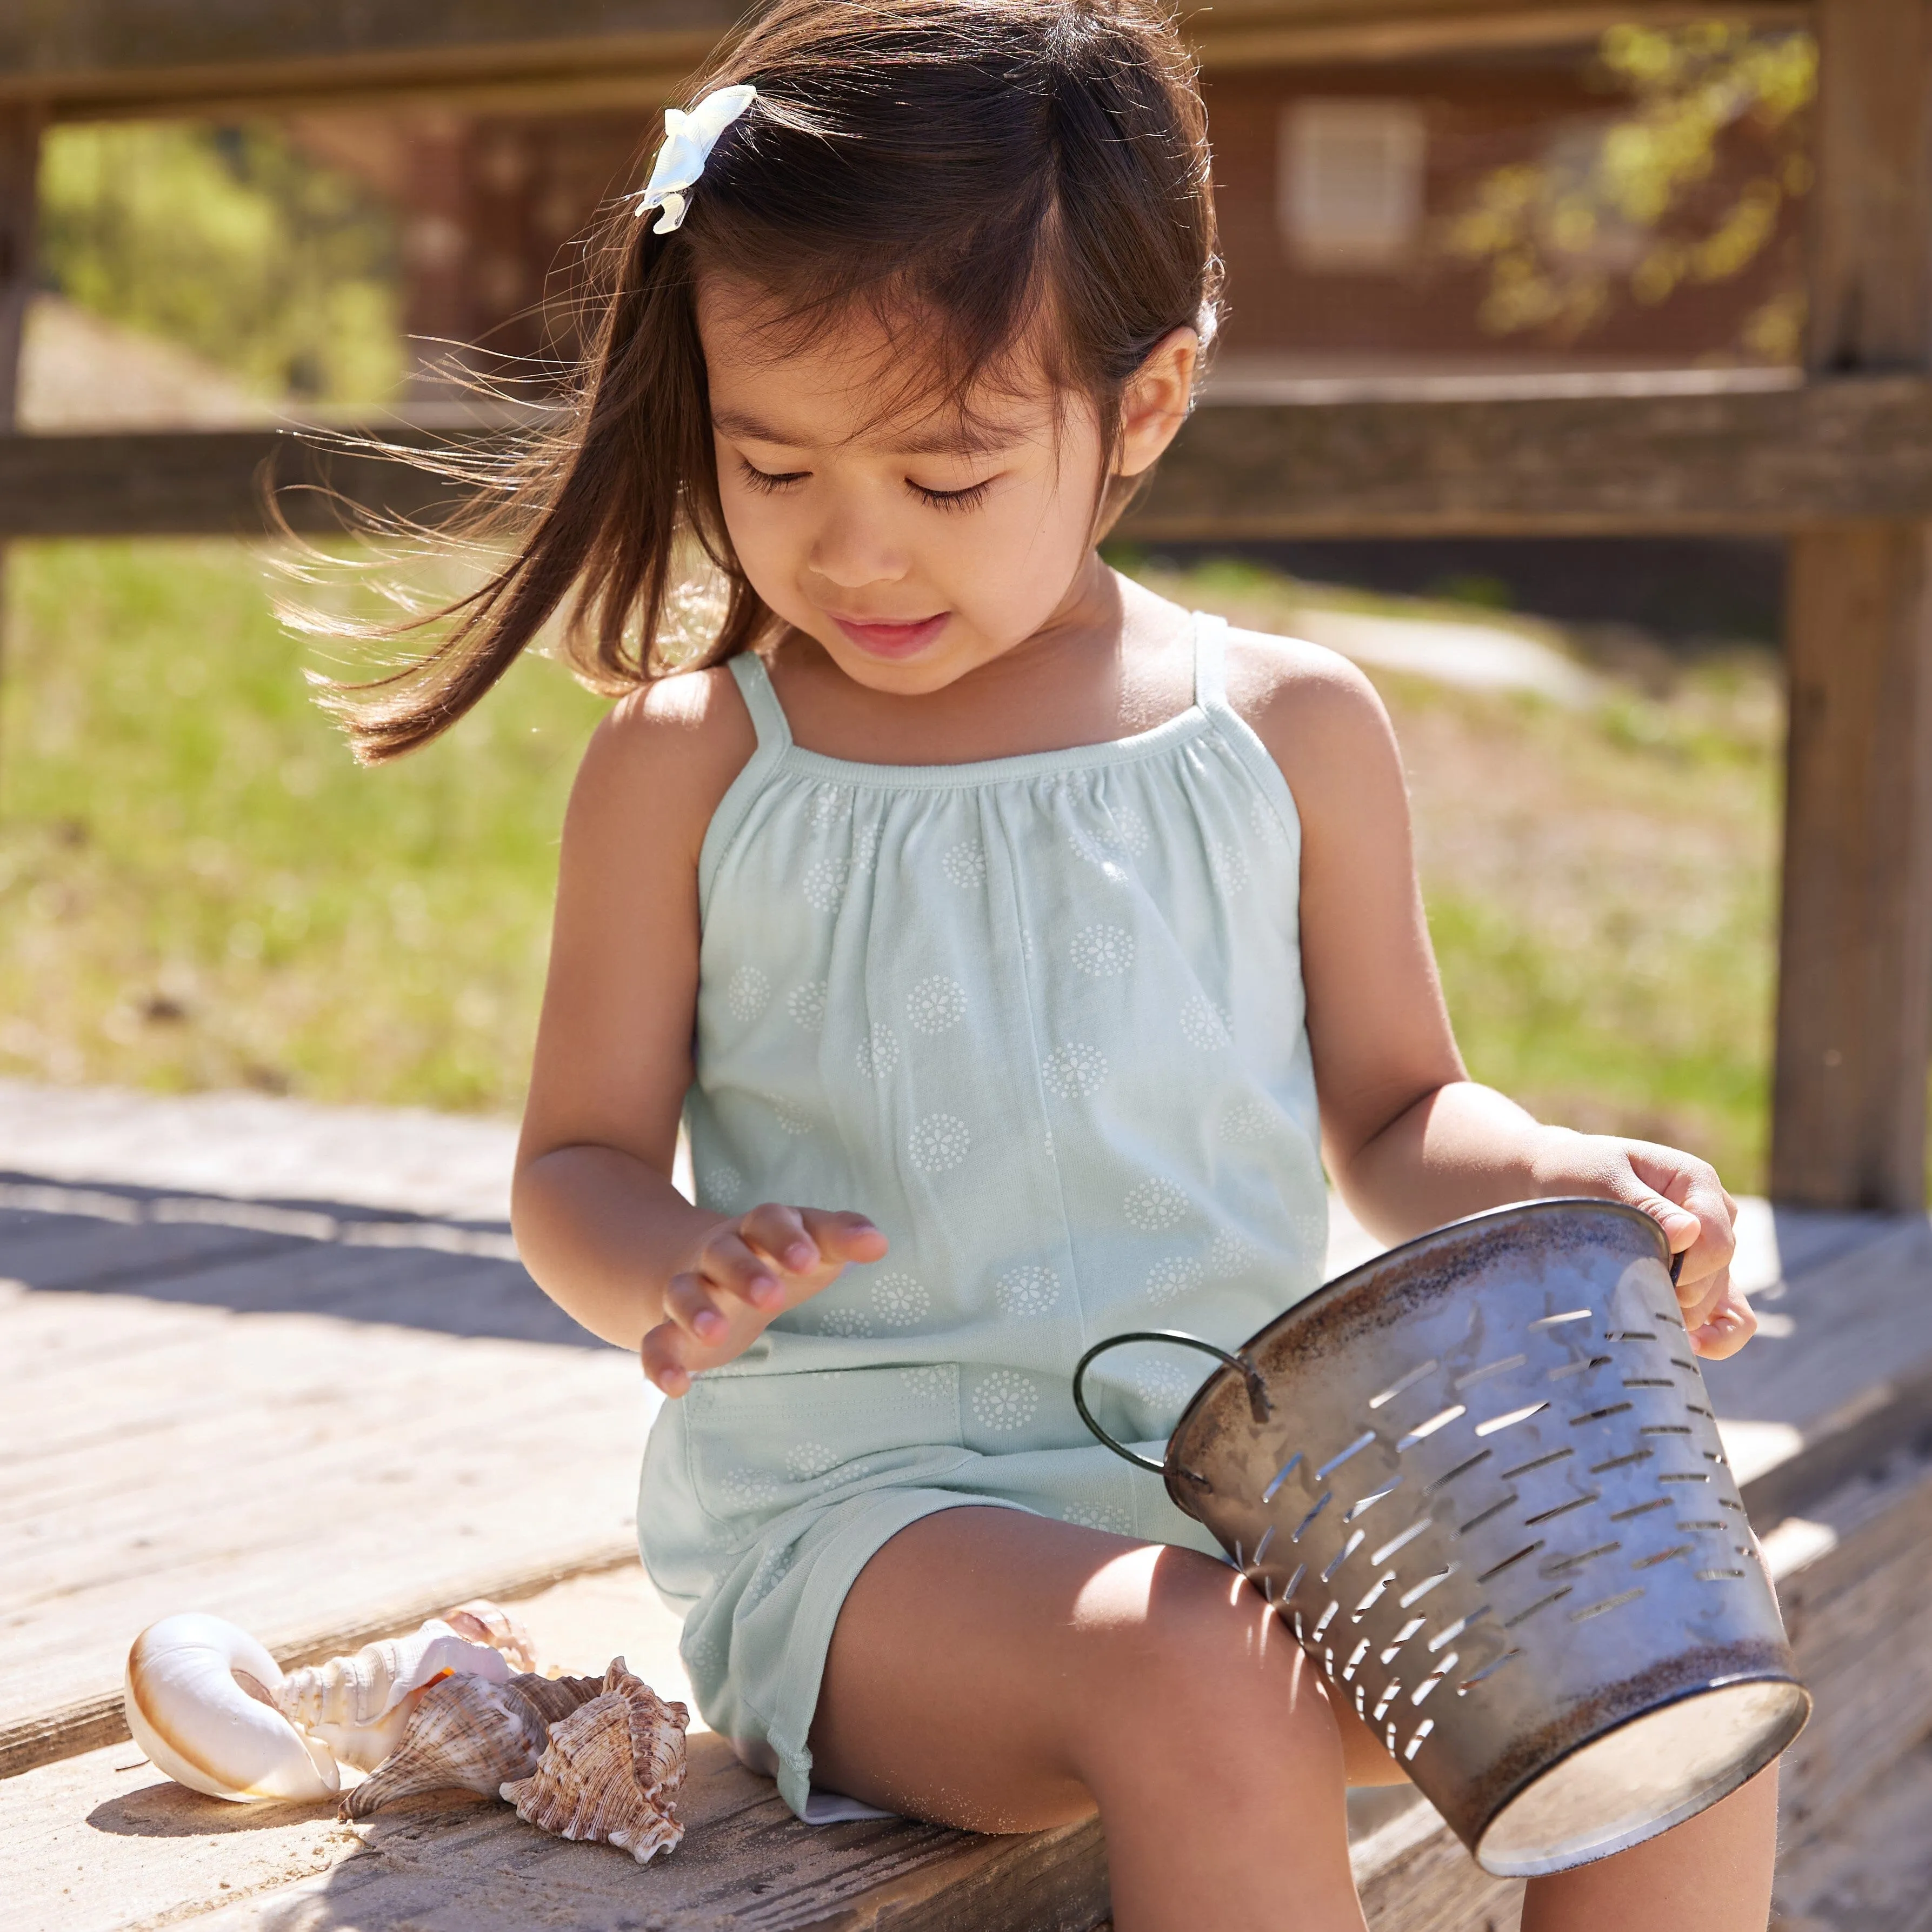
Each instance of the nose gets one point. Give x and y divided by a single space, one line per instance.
853 551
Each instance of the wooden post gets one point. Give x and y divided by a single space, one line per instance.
19 167
19 170
1854 993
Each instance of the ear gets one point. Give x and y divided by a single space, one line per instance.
1154 404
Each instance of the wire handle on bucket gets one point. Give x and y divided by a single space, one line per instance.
1258 1403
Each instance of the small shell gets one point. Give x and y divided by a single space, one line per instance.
609 1771
201 1700
359 1706
482 1621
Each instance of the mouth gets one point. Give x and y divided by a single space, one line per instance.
879 638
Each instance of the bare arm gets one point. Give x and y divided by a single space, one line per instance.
597 1219
1410 1141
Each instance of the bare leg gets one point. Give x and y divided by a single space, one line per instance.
1712 1874
1006 1673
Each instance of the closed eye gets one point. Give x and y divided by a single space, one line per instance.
766 480
951 499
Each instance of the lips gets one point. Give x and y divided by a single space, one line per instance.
881 638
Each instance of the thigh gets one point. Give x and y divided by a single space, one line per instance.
989 1665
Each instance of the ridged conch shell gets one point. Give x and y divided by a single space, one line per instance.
610 1770
468 1734
201 1700
358 1706
482 1621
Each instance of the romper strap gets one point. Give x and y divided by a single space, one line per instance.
1211 674
754 685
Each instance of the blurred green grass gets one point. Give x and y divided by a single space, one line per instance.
198 889
1600 881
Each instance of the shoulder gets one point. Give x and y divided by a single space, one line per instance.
1320 718
665 756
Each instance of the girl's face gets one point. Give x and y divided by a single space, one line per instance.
913 548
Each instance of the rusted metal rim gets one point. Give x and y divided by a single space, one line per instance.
1769 1747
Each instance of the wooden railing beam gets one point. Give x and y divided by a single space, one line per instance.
87 59
1664 459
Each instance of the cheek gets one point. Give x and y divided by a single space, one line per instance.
754 522
1024 547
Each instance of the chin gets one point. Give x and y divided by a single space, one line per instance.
915 676
908 677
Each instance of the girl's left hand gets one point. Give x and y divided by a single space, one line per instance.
1684 1197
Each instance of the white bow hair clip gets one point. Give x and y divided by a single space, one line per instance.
688 141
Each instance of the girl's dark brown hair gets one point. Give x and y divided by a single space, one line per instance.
1004 172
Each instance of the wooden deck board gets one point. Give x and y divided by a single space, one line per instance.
314 1439
100 1841
1843 1372
326 1440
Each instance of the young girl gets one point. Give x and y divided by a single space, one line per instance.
1017 948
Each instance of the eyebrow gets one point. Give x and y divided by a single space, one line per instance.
957 441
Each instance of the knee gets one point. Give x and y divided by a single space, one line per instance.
1205 1656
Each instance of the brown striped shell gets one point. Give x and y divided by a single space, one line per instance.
610 1770
467 1734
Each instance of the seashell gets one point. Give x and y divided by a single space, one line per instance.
554 1697
201 1697
359 1706
463 1734
482 1621
610 1770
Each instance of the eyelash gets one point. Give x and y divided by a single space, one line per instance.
938 499
951 499
763 479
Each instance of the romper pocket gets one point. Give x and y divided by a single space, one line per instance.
760 1444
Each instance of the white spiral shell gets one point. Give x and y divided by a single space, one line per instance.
198 1692
213 1709
358 1706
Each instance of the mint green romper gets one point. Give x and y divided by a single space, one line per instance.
1042 1018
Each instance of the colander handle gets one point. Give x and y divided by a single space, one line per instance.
1257 1394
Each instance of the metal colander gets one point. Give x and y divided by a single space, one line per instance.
1480 1479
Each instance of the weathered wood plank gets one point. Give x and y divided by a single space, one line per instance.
1859 1610
1697 453
88 57
256 1147
1842 1374
269 1441
1586 455
1874 1873
1856 985
203 483
1854 1583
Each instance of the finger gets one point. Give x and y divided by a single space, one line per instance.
1698 1302
842 1237
1688 1202
1681 1229
730 1266
779 1235
1731 1324
662 1354
687 1302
